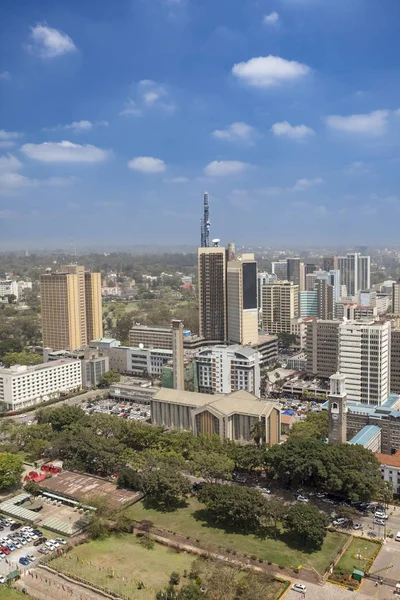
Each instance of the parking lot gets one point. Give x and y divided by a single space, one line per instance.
24 542
125 410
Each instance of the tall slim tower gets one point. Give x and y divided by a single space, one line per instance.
212 293
205 223
242 312
337 410
177 351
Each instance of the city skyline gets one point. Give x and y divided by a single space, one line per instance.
125 114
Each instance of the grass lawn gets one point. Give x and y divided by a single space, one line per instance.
105 562
192 521
8 593
349 562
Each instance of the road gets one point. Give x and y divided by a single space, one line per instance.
327 591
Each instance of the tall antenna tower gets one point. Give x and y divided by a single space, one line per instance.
205 224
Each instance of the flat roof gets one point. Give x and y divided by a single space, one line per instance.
366 434
182 397
83 487
24 369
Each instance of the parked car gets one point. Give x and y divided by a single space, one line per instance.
2 579
61 541
397 538
23 561
38 542
379 514
379 521
301 498
30 557
357 526
15 526
339 522
265 491
299 587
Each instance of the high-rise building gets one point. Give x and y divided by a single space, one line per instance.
293 270
364 359
396 298
326 304
355 272
310 281
242 311
280 268
328 263
280 306
224 369
212 293
310 268
178 363
395 361
322 347
263 278
71 308
309 303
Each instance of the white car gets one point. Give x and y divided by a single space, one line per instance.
301 498
380 515
299 587
379 522
55 543
2 579
61 541
265 491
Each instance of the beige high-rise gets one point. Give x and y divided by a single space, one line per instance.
242 312
280 306
71 308
178 363
212 293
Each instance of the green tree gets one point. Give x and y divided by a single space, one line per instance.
174 578
165 488
286 339
274 512
33 488
21 358
109 378
233 505
386 493
212 466
315 426
11 469
257 432
307 524
190 592
61 417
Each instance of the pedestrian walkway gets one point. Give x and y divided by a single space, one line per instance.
43 585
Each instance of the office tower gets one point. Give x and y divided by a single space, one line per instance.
280 269
94 310
71 308
205 223
325 299
224 369
280 306
322 347
337 410
263 278
310 281
231 251
212 293
309 268
302 277
328 263
364 359
177 348
309 303
355 272
242 311
293 270
395 361
396 298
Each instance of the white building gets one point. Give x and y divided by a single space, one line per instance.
138 361
364 359
224 369
22 386
355 272
264 278
390 469
111 291
280 269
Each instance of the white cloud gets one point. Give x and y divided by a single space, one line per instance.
148 95
236 132
178 180
8 138
49 43
293 132
321 211
225 167
147 164
9 163
5 75
64 152
269 71
271 191
271 19
79 126
305 184
12 183
357 168
374 123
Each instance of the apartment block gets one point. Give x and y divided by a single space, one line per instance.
22 386
280 306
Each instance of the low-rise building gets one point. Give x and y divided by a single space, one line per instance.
138 361
390 469
151 336
22 386
92 370
231 416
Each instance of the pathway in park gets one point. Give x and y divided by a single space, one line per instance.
43 585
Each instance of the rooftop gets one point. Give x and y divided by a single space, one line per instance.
391 460
366 434
24 369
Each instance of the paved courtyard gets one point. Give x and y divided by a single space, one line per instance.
329 591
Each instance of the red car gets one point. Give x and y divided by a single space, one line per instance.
5 550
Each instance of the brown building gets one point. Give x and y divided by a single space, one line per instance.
280 305
71 308
322 347
212 293
325 299
395 361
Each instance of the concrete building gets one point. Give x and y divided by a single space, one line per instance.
322 347
212 293
337 410
139 361
231 417
10 287
242 310
355 271
177 350
310 281
224 369
354 312
325 299
264 278
364 359
151 336
22 386
309 304
280 306
328 263
390 469
280 269
293 271
71 308
92 370
267 347
370 437
395 361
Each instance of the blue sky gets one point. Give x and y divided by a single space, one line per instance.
115 117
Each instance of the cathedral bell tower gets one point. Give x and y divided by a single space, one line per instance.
337 410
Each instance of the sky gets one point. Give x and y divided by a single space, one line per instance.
115 117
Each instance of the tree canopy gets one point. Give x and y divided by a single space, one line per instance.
21 358
315 426
307 524
11 469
